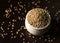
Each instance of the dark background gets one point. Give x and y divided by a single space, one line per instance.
53 6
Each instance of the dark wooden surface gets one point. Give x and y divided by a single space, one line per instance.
52 36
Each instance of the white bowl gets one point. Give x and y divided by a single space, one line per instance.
35 30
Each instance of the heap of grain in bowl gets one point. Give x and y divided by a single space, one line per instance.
38 17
